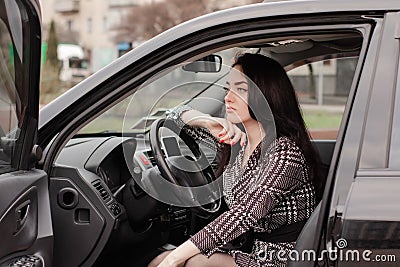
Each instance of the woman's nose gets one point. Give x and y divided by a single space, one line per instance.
229 97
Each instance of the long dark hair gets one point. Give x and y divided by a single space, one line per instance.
268 81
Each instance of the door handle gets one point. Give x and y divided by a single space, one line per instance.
21 214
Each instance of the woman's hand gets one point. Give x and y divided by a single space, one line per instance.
225 131
222 129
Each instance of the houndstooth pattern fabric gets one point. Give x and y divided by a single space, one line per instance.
271 190
201 135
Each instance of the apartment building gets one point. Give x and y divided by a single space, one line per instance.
92 24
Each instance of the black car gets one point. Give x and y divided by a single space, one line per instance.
77 178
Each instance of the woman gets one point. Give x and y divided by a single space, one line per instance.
272 185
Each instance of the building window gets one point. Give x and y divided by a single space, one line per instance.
89 25
105 24
70 25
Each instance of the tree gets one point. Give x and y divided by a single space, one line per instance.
52 44
313 87
145 21
49 83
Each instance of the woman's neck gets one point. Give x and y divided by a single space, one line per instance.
255 133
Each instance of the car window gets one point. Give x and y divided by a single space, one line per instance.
9 100
151 100
322 82
323 88
168 89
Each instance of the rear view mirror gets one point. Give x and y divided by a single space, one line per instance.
210 63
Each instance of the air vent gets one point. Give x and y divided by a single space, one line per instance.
102 191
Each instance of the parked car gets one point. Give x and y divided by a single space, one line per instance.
75 183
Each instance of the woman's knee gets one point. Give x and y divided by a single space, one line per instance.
198 260
157 260
216 260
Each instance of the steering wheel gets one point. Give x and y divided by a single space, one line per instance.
192 172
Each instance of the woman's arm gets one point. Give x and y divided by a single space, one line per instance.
220 128
208 131
179 255
195 118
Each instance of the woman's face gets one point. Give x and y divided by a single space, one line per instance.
237 90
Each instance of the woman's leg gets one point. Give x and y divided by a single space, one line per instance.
199 260
157 260
215 260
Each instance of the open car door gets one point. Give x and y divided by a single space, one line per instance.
25 218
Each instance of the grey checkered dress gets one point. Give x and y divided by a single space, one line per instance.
272 190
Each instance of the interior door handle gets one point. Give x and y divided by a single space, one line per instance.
21 214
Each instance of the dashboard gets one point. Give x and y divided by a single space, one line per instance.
104 156
95 194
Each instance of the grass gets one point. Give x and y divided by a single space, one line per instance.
315 120
107 123
322 119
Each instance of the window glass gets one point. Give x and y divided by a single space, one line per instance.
152 100
89 25
8 99
322 82
105 24
172 87
322 88
70 25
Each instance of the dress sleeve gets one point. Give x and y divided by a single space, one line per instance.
281 172
201 135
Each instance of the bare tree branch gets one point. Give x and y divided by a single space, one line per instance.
146 21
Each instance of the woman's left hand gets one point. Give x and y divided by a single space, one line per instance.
230 133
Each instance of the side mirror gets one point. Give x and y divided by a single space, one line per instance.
210 63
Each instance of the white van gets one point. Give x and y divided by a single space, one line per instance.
74 65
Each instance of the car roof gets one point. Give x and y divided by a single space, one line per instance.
339 4
275 9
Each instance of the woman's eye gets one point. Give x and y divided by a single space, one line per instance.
226 89
242 90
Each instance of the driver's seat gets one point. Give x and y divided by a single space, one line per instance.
305 241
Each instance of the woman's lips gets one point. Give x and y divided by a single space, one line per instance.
230 109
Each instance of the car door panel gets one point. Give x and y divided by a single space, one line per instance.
19 223
25 221
26 231
370 220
